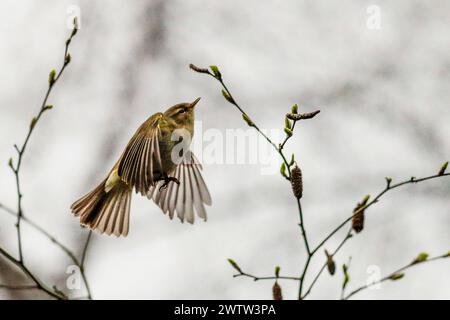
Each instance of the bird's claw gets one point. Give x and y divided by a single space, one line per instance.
166 182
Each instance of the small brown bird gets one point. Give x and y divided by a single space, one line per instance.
148 166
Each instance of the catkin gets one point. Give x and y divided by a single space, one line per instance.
358 218
297 182
198 69
276 291
331 265
302 116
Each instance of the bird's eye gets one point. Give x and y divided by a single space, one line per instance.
181 111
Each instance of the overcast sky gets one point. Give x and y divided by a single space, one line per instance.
383 94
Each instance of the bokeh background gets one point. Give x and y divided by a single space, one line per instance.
384 98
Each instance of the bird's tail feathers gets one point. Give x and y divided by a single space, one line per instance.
106 212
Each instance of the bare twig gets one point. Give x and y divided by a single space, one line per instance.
256 278
396 275
14 287
279 149
388 187
40 285
53 79
216 74
347 237
57 243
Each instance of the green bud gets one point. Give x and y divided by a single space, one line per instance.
283 170
366 198
51 77
396 276
48 107
67 59
447 255
292 160
248 120
10 163
33 123
277 271
443 168
423 256
346 276
216 72
288 132
294 109
287 123
235 265
227 96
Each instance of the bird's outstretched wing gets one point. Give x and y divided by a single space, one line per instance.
141 157
189 196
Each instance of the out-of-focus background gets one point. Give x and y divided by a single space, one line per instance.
384 95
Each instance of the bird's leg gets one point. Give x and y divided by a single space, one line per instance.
166 180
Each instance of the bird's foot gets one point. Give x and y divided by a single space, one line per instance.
167 180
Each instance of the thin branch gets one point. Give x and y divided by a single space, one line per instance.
295 117
375 200
43 232
86 245
57 243
53 79
41 286
256 278
82 264
23 287
347 237
308 251
279 149
281 145
397 274
18 288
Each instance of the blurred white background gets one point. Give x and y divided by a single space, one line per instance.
384 98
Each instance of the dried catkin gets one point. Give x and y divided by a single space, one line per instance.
358 217
276 291
297 182
331 265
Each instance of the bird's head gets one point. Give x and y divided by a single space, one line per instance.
182 114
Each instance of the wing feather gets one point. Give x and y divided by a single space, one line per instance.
187 199
136 165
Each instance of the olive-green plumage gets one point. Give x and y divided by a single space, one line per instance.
150 165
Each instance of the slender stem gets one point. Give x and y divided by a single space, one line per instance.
43 231
279 150
375 200
53 79
347 237
310 253
256 278
64 248
243 112
281 146
389 277
40 285
23 287
82 264
85 248
22 149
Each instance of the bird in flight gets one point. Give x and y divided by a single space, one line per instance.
156 167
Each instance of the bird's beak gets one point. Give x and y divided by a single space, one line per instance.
194 103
